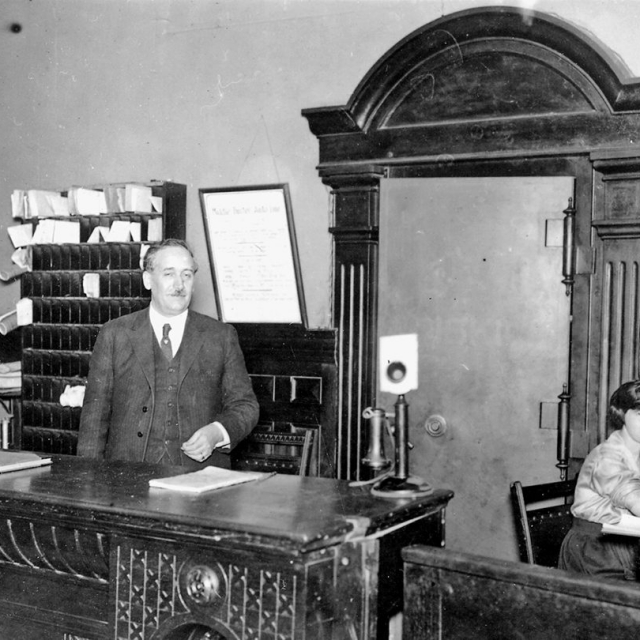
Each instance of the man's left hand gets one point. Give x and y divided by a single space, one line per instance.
203 442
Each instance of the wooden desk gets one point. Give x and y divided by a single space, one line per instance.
88 550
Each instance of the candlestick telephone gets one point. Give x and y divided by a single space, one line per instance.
398 369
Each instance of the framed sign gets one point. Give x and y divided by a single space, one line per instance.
253 254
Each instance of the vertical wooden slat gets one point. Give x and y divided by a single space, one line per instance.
356 211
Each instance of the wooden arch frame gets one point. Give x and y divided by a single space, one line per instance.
492 91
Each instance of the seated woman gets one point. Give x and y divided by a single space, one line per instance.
607 487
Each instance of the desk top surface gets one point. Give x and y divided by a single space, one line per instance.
306 512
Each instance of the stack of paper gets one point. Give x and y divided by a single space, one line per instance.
24 312
87 202
114 196
73 396
66 231
19 204
48 231
99 234
16 460
207 479
44 232
91 285
123 231
36 203
154 230
137 197
20 234
45 204
10 376
132 197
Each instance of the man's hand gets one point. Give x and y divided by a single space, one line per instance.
203 442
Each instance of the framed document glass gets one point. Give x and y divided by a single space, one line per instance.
253 254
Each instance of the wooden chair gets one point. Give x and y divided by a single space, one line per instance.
282 452
542 528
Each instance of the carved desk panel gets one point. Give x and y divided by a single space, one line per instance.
89 551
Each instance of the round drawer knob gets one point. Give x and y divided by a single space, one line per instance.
203 585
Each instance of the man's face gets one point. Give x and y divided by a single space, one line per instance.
171 281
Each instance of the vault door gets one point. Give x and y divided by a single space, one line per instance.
466 263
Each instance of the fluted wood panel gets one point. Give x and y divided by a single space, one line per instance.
351 331
355 314
620 326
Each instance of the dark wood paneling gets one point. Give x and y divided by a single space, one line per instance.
293 371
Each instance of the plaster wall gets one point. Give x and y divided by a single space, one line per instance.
208 94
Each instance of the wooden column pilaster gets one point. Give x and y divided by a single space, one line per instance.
355 230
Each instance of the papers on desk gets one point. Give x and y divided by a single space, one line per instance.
628 526
207 479
17 460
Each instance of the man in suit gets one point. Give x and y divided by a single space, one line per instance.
167 385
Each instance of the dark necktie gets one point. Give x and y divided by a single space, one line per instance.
165 343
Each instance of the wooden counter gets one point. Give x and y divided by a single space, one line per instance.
459 595
88 550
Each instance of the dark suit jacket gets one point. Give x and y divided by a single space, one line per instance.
119 400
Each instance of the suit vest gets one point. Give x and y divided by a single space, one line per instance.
164 437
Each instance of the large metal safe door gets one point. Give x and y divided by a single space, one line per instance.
474 267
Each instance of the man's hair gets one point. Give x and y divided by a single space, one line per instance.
625 397
149 261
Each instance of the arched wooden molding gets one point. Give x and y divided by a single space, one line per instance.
490 85
471 83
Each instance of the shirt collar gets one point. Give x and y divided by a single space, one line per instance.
158 320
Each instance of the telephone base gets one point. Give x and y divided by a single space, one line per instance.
394 487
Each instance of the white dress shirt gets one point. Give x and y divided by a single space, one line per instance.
177 327
608 483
